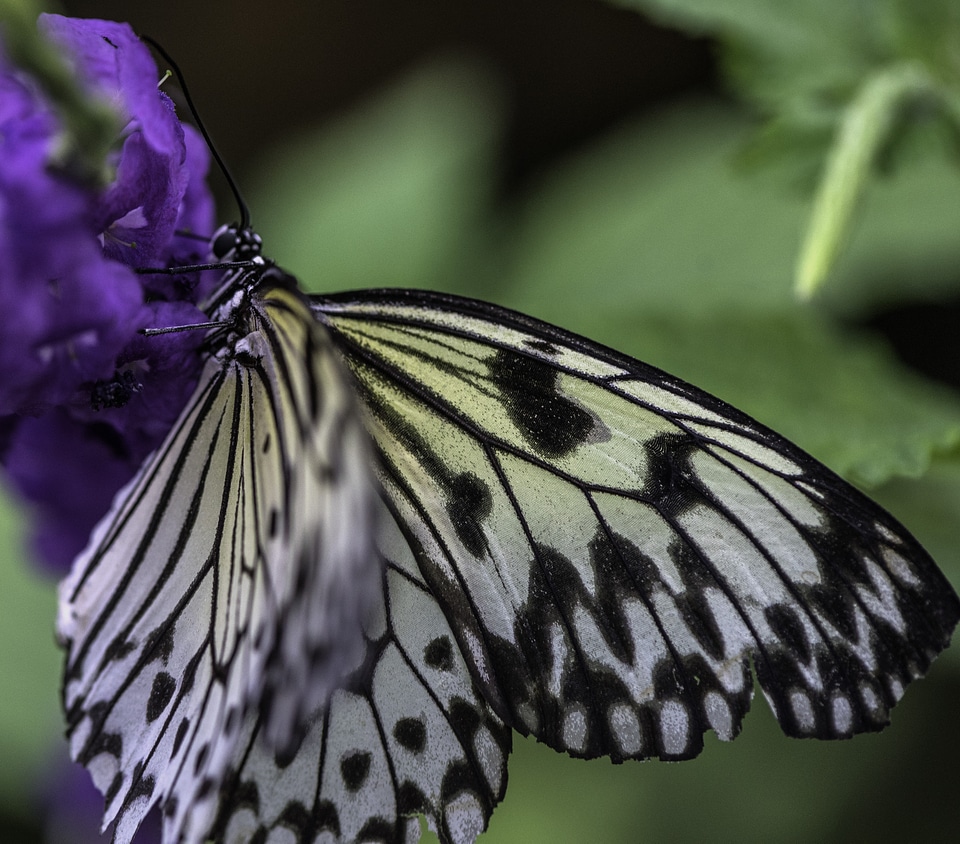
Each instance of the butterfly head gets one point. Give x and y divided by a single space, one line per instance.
234 242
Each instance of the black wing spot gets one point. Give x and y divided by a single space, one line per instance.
543 346
326 818
377 829
354 770
552 423
469 503
411 733
119 648
273 523
411 800
201 759
671 484
163 688
439 654
789 630
181 734
159 645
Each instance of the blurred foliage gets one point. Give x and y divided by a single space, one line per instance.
657 241
30 718
875 80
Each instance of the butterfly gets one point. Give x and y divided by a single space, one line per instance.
391 527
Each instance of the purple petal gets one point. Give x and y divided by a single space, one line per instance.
85 397
72 809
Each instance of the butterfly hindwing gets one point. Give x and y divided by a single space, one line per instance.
410 734
613 547
231 578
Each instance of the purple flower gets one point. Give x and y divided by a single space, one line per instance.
84 396
72 809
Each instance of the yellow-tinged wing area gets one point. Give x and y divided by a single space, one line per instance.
613 547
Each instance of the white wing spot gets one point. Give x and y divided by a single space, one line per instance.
674 727
490 756
900 568
886 533
802 710
529 717
719 715
896 688
281 836
242 825
626 727
870 699
465 818
842 715
575 728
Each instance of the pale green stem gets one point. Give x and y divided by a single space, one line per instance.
866 125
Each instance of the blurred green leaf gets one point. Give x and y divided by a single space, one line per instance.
393 195
657 217
850 78
30 719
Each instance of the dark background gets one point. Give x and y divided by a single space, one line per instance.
571 68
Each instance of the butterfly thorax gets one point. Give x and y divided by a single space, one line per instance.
238 300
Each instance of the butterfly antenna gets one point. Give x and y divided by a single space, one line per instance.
241 205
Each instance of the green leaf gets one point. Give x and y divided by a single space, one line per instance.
391 195
835 76
657 218
31 724
865 127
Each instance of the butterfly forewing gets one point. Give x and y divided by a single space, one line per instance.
614 547
231 578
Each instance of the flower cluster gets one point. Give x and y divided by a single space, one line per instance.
84 396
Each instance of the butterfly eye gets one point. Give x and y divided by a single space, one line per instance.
225 241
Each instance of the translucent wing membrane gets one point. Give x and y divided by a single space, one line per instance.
409 734
613 547
457 521
231 579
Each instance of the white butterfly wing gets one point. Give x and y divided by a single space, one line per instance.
410 735
233 574
576 545
613 547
